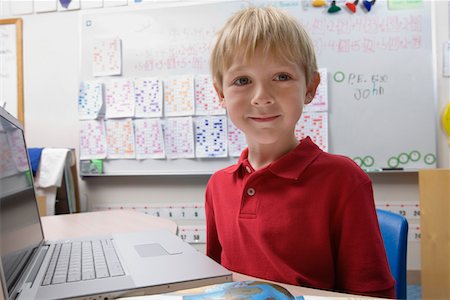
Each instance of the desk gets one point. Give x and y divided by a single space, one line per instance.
121 221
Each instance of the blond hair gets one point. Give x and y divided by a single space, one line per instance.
270 28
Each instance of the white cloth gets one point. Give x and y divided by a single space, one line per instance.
51 167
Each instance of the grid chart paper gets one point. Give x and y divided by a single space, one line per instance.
179 137
15 139
320 101
92 139
120 139
314 125
7 165
119 98
107 57
149 138
206 100
90 100
149 97
179 96
211 136
236 140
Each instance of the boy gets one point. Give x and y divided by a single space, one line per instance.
287 211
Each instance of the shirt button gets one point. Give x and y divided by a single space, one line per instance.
248 169
251 191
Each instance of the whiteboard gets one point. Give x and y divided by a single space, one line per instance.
381 79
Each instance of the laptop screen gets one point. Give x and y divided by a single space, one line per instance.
20 228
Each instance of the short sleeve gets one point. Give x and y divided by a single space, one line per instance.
361 262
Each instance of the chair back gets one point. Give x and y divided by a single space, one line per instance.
394 230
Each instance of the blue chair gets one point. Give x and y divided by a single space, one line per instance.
394 230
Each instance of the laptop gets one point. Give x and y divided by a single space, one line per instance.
98 267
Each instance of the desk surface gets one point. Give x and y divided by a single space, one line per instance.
121 221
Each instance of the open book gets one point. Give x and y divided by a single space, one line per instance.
248 290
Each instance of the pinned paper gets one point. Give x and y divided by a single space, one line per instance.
85 4
7 165
119 98
211 136
179 96
107 57
120 139
179 137
314 125
15 139
90 100
149 97
92 139
149 138
236 140
45 5
206 100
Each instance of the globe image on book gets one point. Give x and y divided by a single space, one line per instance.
242 290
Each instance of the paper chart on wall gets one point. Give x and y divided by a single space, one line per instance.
149 97
120 138
107 57
211 136
7 165
90 100
149 138
314 125
119 98
179 96
179 137
320 101
92 139
236 140
15 139
206 100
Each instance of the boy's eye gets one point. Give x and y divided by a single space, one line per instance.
242 81
282 77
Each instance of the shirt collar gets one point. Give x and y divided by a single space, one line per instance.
241 160
291 165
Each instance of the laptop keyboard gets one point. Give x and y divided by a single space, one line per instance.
84 260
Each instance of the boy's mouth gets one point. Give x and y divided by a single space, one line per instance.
264 119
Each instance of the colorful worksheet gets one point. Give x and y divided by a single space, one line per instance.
119 98
90 100
107 57
314 125
149 138
179 96
320 101
149 97
7 165
211 136
15 139
92 139
120 138
206 100
179 137
236 140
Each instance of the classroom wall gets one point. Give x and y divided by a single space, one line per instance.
51 78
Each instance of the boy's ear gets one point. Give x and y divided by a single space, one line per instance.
312 87
219 94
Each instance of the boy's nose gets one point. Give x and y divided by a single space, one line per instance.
262 97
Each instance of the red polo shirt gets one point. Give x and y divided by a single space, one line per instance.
307 219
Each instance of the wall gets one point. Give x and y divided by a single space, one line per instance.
51 68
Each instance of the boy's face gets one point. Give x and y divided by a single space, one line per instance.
265 96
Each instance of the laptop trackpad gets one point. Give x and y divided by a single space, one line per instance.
149 250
